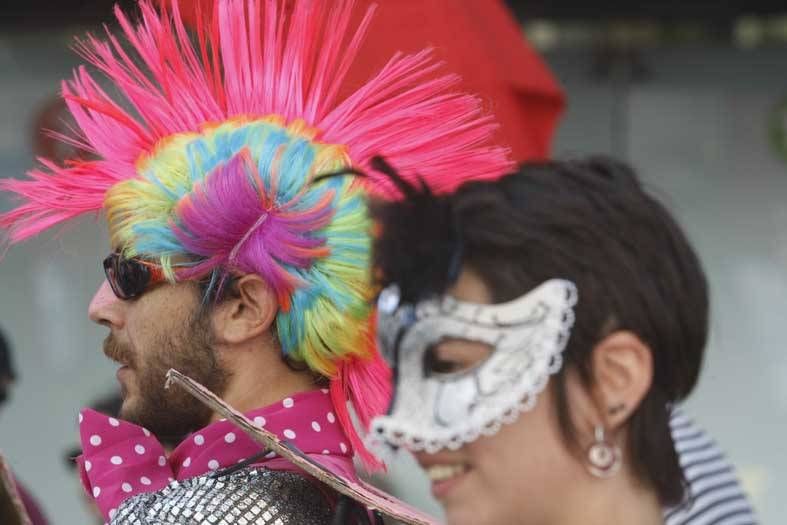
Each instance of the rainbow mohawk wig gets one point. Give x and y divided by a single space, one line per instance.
209 163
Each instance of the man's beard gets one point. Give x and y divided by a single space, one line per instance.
173 413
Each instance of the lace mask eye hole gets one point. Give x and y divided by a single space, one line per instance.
454 356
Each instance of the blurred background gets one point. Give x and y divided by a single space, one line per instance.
694 94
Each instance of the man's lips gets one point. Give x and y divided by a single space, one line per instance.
118 353
123 377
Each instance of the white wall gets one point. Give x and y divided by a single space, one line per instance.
45 286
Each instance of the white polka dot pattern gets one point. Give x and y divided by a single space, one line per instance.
125 459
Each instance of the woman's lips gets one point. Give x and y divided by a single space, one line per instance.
445 477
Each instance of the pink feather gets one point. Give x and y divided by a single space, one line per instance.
253 61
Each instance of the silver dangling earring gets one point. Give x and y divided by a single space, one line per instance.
603 458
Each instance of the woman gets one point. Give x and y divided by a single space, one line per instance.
541 329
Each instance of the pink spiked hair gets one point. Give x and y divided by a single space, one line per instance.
252 60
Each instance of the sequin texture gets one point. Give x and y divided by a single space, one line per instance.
248 496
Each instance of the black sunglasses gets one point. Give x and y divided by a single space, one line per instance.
130 278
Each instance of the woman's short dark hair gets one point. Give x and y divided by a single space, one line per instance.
590 221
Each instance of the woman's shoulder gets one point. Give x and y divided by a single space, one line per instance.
714 493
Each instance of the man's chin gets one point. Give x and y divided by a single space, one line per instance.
129 410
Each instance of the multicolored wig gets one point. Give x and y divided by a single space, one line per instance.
209 161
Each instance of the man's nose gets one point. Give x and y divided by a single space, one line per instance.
105 308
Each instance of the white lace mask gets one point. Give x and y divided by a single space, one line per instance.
435 411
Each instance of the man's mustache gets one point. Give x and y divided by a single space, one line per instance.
117 352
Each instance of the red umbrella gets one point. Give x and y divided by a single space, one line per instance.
478 39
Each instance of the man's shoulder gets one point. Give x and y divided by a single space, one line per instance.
251 495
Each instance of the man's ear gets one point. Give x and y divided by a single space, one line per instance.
247 311
622 367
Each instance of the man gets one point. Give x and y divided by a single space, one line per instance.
7 379
541 332
239 250
7 370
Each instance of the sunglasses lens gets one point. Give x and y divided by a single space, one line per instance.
128 278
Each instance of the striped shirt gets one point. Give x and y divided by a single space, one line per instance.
715 496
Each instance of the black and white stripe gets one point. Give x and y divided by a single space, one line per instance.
715 495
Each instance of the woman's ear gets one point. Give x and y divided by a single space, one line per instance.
622 368
247 312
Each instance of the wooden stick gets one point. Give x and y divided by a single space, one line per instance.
360 491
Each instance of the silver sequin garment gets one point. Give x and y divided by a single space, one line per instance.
248 496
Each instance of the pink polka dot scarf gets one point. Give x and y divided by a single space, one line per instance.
121 459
